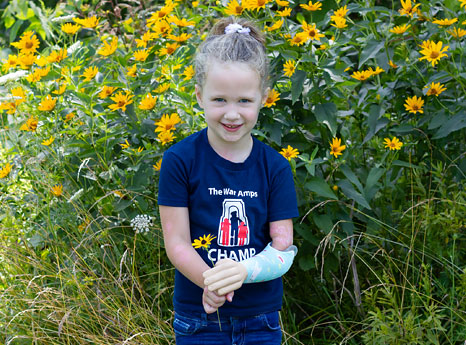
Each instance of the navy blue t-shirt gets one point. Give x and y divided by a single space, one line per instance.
234 202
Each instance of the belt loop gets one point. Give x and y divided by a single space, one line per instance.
203 319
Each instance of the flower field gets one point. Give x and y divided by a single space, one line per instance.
367 102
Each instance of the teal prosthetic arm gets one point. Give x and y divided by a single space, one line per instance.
269 264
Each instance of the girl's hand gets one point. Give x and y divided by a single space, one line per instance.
226 277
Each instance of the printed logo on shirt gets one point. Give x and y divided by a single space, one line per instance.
233 229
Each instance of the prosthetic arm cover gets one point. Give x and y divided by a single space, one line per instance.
269 264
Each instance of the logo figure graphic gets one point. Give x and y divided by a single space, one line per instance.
233 229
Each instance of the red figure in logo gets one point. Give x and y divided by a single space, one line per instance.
242 234
225 232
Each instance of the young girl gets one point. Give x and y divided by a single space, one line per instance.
233 196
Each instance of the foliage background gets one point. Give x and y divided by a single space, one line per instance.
381 235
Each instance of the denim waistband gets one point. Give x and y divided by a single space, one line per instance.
216 316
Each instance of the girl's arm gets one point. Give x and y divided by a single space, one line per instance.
180 252
177 238
229 275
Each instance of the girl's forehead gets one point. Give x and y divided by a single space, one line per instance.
231 73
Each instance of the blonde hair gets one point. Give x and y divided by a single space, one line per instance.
233 47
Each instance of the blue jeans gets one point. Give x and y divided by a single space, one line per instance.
204 329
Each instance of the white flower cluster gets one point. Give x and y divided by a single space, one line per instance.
12 76
141 223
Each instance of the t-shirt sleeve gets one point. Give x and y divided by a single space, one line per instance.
173 181
282 197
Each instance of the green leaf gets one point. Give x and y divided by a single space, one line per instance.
9 21
323 222
320 187
297 84
374 175
456 122
370 51
348 189
327 114
405 164
14 30
352 177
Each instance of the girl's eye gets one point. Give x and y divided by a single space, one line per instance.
219 100
245 100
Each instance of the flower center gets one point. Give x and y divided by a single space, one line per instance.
434 55
28 45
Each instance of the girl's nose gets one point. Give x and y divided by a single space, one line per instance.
231 113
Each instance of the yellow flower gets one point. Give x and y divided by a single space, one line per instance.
57 190
362 75
400 29
203 242
89 23
162 88
341 13
377 71
12 62
160 14
162 27
336 148
90 73
277 25
392 64
57 55
435 89
183 22
463 4
272 97
166 137
393 144
30 125
339 23
141 55
125 145
167 123
188 72
408 9
108 49
60 90
28 43
106 91
157 166
5 171
289 152
27 60
139 149
131 71
69 116
457 33
282 3
19 94
195 3
414 104
70 28
289 68
312 6
148 102
48 141
121 100
255 4
147 37
445 22
47 104
312 32
181 38
285 12
168 49
299 39
432 51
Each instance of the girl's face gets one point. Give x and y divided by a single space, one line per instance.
231 98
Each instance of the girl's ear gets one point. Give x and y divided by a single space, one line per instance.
265 95
199 95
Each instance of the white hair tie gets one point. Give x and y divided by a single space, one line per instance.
235 27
